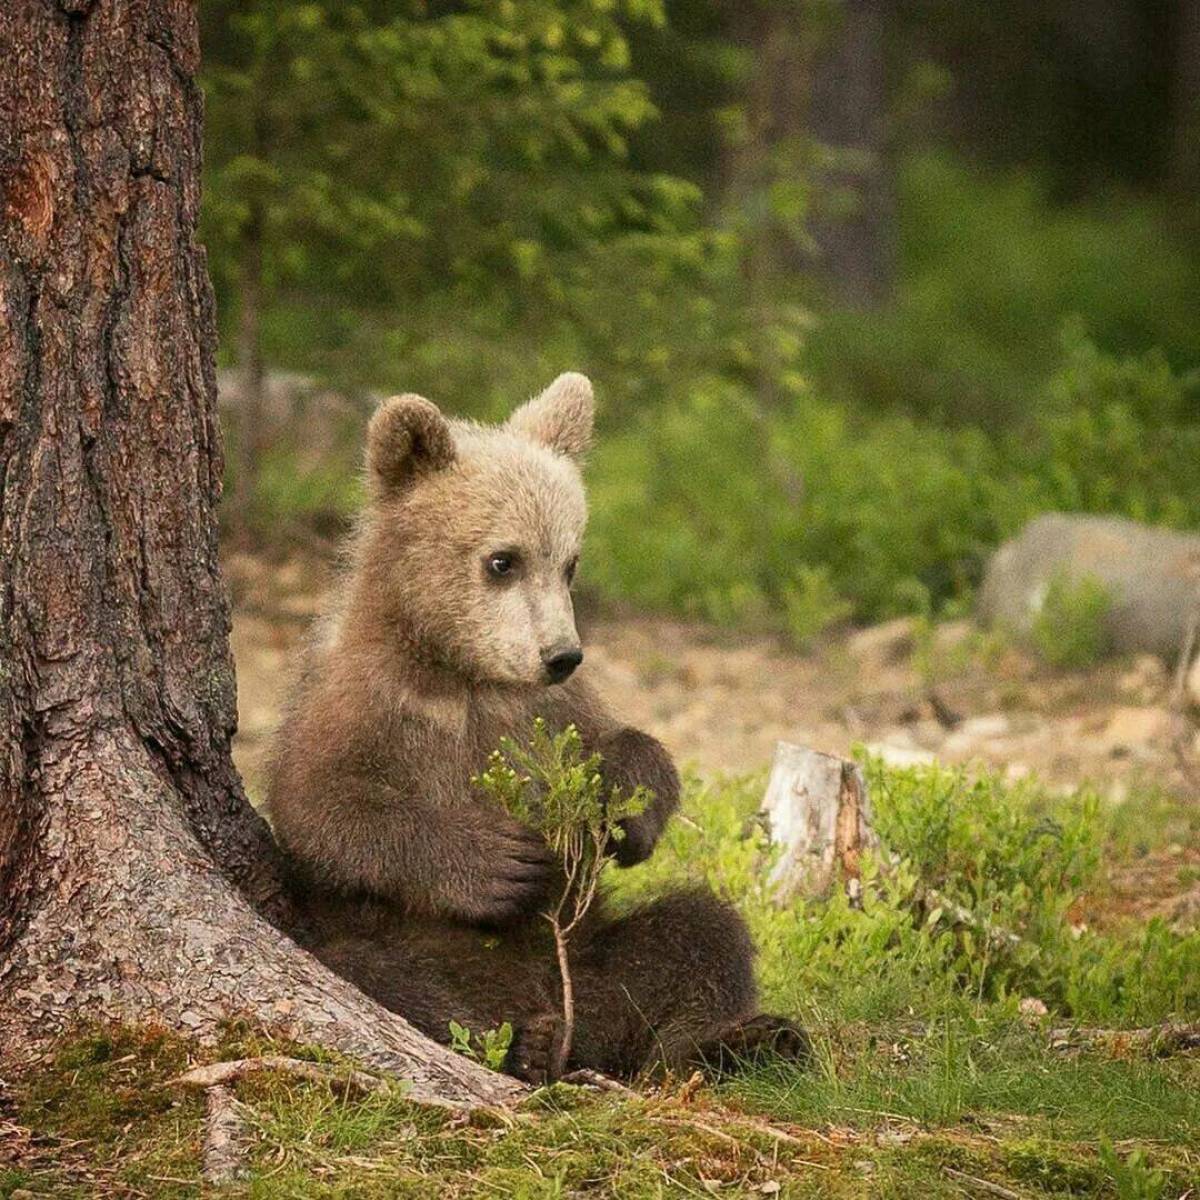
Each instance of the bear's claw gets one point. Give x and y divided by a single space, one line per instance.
534 1049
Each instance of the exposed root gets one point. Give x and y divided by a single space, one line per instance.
345 1079
224 1137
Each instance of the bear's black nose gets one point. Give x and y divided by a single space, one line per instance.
560 663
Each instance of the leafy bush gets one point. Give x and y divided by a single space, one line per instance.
1070 629
1014 858
795 520
1116 435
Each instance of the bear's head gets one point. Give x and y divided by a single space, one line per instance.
473 533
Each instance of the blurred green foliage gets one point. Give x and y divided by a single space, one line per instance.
1070 630
464 198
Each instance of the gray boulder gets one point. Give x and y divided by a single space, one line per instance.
1152 576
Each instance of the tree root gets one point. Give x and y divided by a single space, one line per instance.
224 1137
344 1079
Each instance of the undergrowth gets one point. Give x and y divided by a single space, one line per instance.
929 1076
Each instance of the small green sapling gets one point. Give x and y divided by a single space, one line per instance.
553 787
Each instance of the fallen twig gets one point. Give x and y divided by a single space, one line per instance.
222 1073
735 1122
984 1185
1156 1040
585 1077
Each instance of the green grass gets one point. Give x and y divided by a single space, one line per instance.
928 1077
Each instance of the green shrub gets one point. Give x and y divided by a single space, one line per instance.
1115 435
989 268
1071 628
1014 858
791 522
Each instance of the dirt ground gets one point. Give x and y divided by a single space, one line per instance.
720 702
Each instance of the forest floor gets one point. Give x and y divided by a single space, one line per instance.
942 1067
910 692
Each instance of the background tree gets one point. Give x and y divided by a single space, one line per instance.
649 191
375 165
134 877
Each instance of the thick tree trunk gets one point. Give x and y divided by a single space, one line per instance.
134 877
818 76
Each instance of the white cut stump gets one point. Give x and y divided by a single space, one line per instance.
819 814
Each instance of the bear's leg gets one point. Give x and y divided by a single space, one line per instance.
672 983
434 976
432 979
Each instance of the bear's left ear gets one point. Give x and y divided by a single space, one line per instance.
406 437
561 417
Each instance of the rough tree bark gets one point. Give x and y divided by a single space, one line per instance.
134 877
251 370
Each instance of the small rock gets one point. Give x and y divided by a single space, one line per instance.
899 750
967 738
20 1194
886 643
1135 728
1146 677
988 726
1031 1006
1193 683
770 1188
950 635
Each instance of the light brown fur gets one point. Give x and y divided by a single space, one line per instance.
414 886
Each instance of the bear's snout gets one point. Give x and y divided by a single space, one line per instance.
560 662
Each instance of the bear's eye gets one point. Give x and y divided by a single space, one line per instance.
502 564
570 572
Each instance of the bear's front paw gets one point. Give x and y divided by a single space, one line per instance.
639 837
508 875
534 1050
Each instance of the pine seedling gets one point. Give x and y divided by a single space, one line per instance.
550 785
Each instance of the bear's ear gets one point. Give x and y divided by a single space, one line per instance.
561 417
407 436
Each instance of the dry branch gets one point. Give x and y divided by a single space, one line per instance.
221 1074
1158 1041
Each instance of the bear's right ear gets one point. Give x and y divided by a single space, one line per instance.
407 436
561 417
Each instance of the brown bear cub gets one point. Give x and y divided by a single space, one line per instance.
453 628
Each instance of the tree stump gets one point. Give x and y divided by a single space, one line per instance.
819 814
